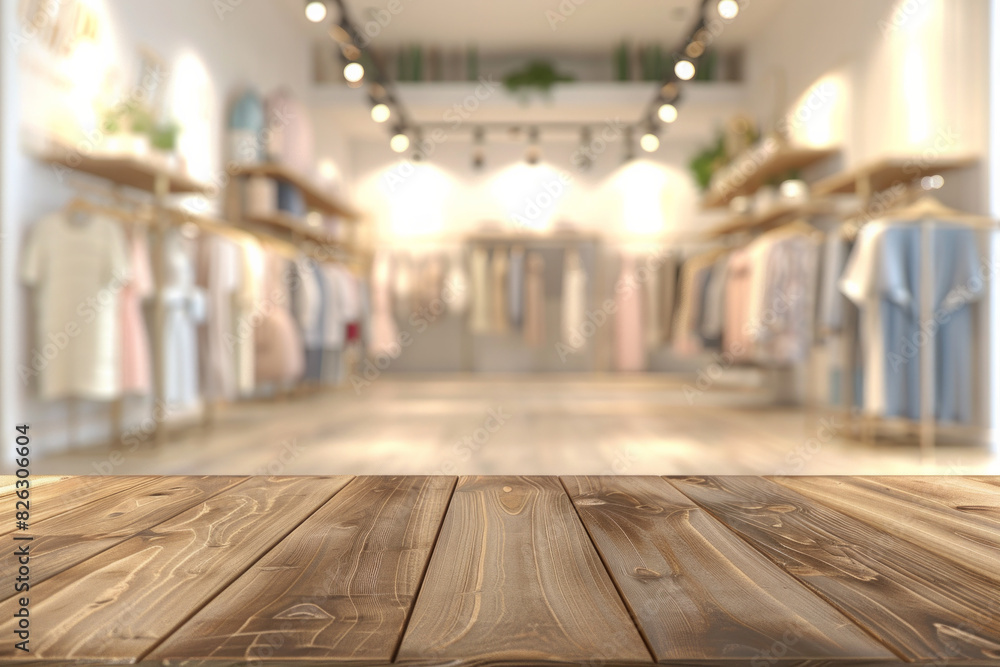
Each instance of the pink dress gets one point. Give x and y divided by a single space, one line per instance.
136 359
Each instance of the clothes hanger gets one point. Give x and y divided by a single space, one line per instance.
929 207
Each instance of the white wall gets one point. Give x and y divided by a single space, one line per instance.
210 58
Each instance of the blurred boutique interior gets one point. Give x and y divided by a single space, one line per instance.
562 237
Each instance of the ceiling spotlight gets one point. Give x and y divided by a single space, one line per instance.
649 142
380 113
354 72
684 69
728 9
339 34
667 113
669 91
399 142
315 10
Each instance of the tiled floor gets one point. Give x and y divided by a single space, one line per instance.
519 425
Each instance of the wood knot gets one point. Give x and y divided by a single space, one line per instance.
590 501
645 573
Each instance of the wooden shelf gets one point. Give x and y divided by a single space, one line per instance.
129 171
780 160
883 174
292 226
771 218
315 197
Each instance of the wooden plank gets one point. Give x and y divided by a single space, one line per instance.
54 498
8 483
964 494
121 603
74 536
338 588
972 541
697 590
919 605
515 578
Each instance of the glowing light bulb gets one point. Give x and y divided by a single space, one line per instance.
667 113
315 11
399 142
728 9
649 142
684 69
354 72
380 113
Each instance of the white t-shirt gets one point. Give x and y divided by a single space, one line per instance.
78 271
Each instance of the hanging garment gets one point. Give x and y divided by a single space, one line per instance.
651 306
534 301
308 307
574 300
402 287
385 334
884 278
714 304
279 356
830 306
782 321
515 287
694 279
456 289
668 296
481 307
184 308
498 287
245 308
736 338
136 360
78 271
431 284
219 276
630 353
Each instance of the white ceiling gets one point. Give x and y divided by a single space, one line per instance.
526 25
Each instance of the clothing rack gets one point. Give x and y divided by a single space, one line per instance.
110 176
867 424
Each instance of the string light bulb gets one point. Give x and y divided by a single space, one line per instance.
399 142
354 72
381 112
684 69
667 113
315 10
649 142
728 9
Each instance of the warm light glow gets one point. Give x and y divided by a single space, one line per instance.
316 11
417 195
354 72
649 142
328 170
531 196
399 142
642 186
380 113
728 9
667 113
684 69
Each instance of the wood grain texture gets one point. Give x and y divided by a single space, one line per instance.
514 579
970 540
74 536
697 590
54 497
118 605
340 587
8 483
963 494
923 607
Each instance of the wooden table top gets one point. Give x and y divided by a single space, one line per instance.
508 570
